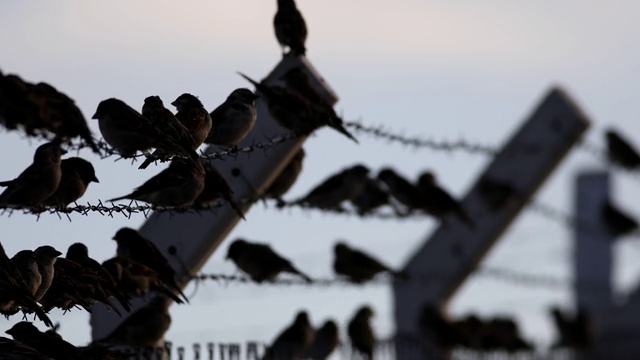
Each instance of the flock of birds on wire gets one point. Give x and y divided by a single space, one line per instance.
40 280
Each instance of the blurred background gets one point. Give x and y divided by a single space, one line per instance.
431 69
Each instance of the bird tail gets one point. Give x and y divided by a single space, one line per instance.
6 183
306 278
30 304
164 290
147 162
262 88
120 198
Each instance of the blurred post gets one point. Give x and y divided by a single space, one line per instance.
189 239
508 183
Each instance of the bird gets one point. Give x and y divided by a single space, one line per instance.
29 335
25 262
215 188
143 328
402 190
357 266
297 80
38 181
166 123
177 186
296 113
46 257
140 249
260 262
294 341
286 178
192 114
14 350
126 130
290 28
325 341
618 222
620 151
576 332
361 333
438 202
233 119
343 186
77 173
371 197
17 109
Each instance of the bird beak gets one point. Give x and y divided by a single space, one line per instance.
175 103
63 151
9 332
57 253
95 179
95 116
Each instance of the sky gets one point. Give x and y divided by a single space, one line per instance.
441 70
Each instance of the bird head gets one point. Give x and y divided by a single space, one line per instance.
106 107
340 248
302 318
427 178
153 101
329 327
387 174
236 248
82 167
359 170
186 100
242 95
46 252
126 235
25 256
50 151
365 312
23 329
77 250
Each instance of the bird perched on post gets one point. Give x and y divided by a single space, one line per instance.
620 151
290 28
178 185
361 333
343 186
618 222
357 266
77 173
193 116
294 341
140 249
215 187
167 123
325 341
233 119
438 202
296 113
38 181
260 262
286 178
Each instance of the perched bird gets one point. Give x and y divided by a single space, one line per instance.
325 341
38 181
140 249
127 131
260 262
46 257
370 198
357 266
16 107
77 173
297 113
343 186
620 151
145 327
290 28
25 262
361 333
233 119
438 202
576 332
286 178
402 190
193 116
294 341
14 350
178 185
618 222
215 188
167 123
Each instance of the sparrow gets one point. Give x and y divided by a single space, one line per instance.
38 181
296 113
46 257
361 334
17 109
294 341
357 266
233 119
402 189
438 202
618 222
178 185
13 350
260 262
79 253
127 131
215 188
371 197
77 173
325 341
140 249
167 123
135 279
25 262
286 178
193 116
343 186
620 151
290 28
143 328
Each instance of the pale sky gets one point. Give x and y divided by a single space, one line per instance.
436 69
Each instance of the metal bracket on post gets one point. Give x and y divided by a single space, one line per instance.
189 239
494 201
